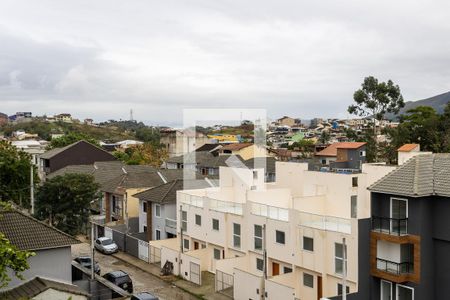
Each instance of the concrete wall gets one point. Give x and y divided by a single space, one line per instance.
52 294
52 264
247 285
275 291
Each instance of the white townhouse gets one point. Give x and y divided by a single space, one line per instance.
278 240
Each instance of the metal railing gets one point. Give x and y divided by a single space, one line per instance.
171 223
390 225
394 267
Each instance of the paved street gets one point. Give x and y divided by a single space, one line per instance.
142 281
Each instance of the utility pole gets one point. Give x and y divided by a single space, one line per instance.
126 213
344 270
264 250
92 250
32 189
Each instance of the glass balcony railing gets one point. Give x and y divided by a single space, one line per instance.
271 212
226 206
171 223
390 225
326 223
394 267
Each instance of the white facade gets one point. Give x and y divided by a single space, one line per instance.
238 220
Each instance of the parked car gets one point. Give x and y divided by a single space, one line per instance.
106 245
86 262
144 296
121 279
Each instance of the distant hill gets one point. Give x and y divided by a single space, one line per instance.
437 102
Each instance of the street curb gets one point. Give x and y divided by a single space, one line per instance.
158 276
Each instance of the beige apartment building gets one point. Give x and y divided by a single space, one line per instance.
280 240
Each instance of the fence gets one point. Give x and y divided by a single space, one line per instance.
224 283
135 244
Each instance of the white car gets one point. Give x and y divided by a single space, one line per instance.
106 245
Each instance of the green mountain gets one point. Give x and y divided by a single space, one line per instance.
437 102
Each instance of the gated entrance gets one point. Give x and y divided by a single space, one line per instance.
195 273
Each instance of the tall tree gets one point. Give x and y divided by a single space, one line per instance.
11 258
375 99
15 172
65 201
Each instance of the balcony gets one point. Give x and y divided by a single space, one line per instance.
171 223
390 226
394 267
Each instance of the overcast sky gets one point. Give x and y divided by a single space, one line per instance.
100 59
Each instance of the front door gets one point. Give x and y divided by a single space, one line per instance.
195 245
275 269
319 287
385 290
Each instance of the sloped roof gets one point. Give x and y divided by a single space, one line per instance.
147 179
422 175
209 147
236 147
167 193
205 159
407 147
27 233
332 149
53 152
38 285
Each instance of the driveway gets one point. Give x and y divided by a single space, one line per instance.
142 281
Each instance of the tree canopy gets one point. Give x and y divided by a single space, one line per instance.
71 138
145 154
376 99
65 201
15 166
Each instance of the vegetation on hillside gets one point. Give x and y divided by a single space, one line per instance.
64 201
15 171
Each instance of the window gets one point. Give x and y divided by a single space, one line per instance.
399 213
339 289
339 258
184 220
308 280
279 236
385 290
157 210
405 292
308 243
198 220
354 207
258 237
145 228
255 175
362 153
144 206
186 244
236 235
215 224
158 234
260 264
354 181
216 253
287 270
